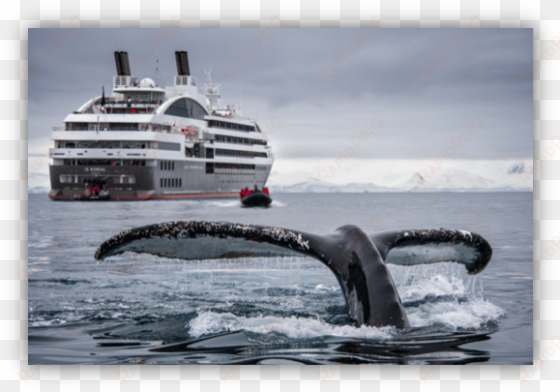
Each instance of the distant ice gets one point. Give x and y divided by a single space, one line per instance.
361 176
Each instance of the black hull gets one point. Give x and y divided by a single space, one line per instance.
256 199
148 181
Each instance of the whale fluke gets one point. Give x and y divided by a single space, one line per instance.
357 260
434 246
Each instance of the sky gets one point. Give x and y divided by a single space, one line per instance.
318 93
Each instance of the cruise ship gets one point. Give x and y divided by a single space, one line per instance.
145 142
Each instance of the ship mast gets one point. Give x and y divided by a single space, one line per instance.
157 71
212 91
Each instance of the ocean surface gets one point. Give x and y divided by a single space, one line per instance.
145 309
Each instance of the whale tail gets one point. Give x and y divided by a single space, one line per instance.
413 247
357 261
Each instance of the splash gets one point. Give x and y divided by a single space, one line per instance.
444 294
292 327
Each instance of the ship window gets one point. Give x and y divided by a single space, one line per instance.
168 146
188 108
180 182
172 165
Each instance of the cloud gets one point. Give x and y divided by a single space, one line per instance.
280 74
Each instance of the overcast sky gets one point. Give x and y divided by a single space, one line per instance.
317 89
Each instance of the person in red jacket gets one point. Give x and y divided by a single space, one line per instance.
244 192
265 190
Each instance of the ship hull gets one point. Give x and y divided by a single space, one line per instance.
187 180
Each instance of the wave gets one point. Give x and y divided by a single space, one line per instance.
293 327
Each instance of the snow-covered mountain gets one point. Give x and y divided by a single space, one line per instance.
458 176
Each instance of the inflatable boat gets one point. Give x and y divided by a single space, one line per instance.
256 199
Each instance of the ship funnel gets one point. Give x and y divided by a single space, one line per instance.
182 61
123 66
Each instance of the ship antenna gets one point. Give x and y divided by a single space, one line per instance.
208 73
157 71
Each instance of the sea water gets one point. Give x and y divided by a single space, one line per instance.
141 308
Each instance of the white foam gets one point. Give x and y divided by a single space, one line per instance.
466 315
292 327
464 306
223 203
438 285
415 283
47 323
